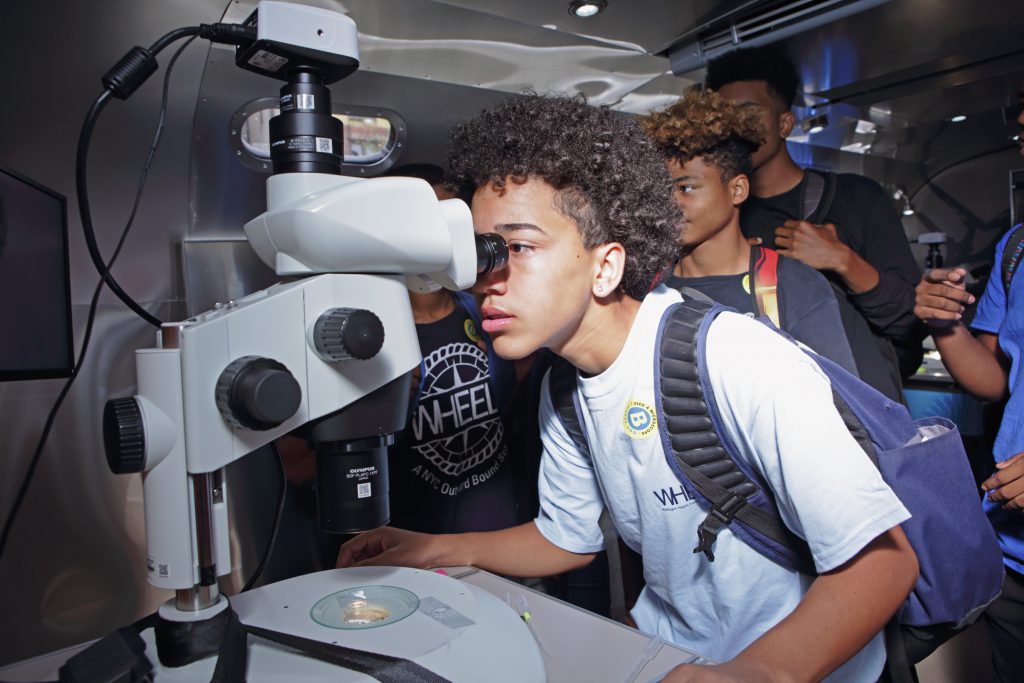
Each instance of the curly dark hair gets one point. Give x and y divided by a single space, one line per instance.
771 64
704 124
609 178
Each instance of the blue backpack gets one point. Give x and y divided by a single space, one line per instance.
923 461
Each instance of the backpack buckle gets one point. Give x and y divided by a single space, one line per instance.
719 516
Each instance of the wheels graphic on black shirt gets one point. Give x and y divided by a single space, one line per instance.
460 427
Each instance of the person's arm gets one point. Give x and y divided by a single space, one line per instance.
841 612
517 551
872 259
889 305
570 507
819 247
777 415
976 363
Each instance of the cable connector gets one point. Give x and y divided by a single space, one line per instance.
228 34
118 658
130 72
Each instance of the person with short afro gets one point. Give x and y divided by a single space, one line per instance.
583 199
853 234
606 175
707 142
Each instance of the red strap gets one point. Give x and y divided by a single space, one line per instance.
765 282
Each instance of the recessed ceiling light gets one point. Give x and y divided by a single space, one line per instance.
959 118
587 8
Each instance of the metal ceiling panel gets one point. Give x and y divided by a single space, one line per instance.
443 42
648 25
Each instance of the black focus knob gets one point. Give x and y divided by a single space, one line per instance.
124 436
342 334
257 393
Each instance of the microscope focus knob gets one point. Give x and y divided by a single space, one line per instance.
124 436
342 334
257 393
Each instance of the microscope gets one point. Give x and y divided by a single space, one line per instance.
325 354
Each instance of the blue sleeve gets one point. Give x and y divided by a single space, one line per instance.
810 313
992 308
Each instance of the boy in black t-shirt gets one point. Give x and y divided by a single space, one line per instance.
859 244
450 470
708 142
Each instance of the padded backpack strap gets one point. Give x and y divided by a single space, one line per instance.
698 456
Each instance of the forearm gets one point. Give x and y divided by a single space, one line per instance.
857 274
517 551
838 616
972 362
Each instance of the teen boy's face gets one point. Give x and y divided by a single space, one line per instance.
775 119
539 299
706 201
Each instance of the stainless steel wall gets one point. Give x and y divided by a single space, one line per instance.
74 568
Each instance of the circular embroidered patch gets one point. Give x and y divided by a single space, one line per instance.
472 332
745 283
639 420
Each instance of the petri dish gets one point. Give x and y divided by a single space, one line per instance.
364 607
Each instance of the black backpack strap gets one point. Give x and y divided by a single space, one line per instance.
695 449
384 668
562 387
818 191
121 656
1011 256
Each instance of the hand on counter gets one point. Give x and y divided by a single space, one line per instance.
389 547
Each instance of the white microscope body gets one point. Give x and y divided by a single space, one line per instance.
329 351
197 413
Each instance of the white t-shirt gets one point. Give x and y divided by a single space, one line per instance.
777 408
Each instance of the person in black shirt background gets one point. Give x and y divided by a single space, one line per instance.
707 142
859 243
450 470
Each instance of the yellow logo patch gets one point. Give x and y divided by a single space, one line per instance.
639 420
472 332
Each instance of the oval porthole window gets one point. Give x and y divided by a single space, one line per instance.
370 136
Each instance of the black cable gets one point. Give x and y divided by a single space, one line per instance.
93 304
121 81
277 523
83 210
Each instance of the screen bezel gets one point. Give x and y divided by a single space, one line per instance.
67 368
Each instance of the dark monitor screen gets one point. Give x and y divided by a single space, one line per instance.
35 300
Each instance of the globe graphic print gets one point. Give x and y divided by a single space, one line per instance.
451 369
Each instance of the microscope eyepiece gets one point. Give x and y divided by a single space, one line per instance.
491 253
